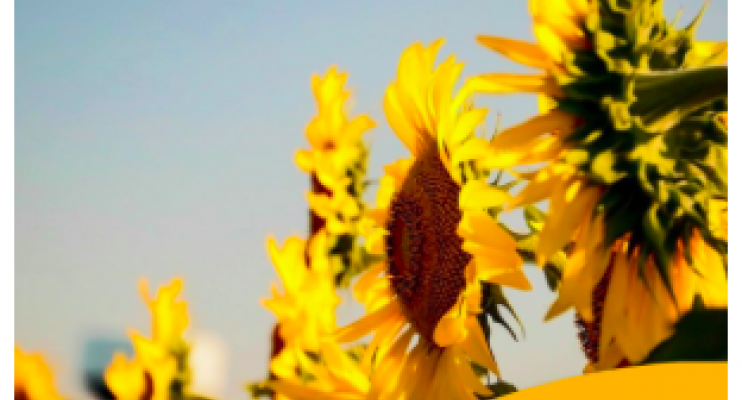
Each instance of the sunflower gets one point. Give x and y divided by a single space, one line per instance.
630 152
33 378
159 363
439 241
306 309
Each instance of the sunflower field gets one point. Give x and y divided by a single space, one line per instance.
621 178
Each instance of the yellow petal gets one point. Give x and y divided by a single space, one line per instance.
321 204
375 241
451 328
543 184
398 169
563 19
288 261
124 378
528 54
551 42
386 374
512 278
459 368
343 368
370 277
354 129
612 357
412 78
481 229
465 125
479 151
402 126
419 362
579 7
569 285
615 303
502 83
564 218
443 82
368 324
297 392
707 53
304 159
476 346
545 104
478 195
556 122
538 151
382 341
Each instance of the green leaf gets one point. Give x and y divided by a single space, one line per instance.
553 277
700 335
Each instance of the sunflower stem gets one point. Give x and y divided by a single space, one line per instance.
665 98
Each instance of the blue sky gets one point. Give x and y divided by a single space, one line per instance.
156 139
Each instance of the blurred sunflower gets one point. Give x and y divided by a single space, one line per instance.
33 378
169 316
336 143
336 376
160 364
306 308
336 163
148 375
631 154
440 244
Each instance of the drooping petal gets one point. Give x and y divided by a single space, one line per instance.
366 325
521 52
503 83
553 122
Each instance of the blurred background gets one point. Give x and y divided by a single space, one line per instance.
156 139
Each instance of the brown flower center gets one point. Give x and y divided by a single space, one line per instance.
20 394
589 332
426 262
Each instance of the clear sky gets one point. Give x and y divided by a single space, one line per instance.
156 139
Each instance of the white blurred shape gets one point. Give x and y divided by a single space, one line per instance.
208 359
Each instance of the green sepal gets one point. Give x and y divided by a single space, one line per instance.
259 390
369 259
492 297
535 218
498 389
180 350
